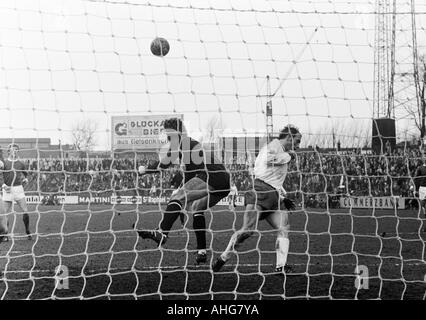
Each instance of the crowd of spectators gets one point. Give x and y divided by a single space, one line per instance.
97 175
314 175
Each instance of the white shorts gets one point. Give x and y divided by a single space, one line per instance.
16 193
422 193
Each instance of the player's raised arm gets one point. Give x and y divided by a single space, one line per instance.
151 168
167 156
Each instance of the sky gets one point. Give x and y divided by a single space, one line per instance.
64 61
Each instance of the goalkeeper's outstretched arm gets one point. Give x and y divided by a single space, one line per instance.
154 167
166 159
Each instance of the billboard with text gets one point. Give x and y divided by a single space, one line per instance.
138 132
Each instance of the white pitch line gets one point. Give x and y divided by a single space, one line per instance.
17 252
217 234
205 267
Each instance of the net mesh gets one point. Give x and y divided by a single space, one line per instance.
67 67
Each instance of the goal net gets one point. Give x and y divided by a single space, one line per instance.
77 78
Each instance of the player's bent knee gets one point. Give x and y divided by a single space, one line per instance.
249 226
178 196
283 232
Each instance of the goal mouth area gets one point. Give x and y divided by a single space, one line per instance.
104 264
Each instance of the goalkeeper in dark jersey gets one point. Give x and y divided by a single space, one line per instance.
14 179
205 182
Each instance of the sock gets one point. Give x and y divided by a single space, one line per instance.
172 212
236 239
26 219
282 246
199 225
227 253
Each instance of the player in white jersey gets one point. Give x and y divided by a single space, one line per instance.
3 216
3 219
267 200
15 178
420 184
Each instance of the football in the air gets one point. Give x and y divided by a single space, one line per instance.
160 47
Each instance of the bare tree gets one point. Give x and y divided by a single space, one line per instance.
84 135
414 111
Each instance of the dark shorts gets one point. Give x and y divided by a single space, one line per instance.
220 182
264 196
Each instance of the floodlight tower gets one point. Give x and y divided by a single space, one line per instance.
397 88
383 129
384 59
